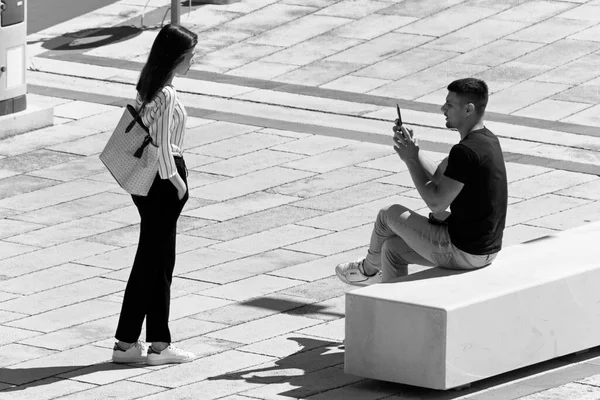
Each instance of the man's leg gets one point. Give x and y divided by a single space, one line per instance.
396 254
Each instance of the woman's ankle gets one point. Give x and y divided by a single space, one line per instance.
124 345
159 346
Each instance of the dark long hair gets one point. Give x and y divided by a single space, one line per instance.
171 45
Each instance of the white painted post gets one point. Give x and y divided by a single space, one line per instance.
175 11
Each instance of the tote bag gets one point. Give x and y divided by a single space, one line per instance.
130 154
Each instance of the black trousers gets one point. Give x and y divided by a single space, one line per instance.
148 291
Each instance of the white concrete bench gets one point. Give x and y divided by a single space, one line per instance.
537 301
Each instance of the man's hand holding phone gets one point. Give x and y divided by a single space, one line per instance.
404 143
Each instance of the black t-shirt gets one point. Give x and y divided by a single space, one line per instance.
478 213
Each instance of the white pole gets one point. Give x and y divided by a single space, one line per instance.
175 11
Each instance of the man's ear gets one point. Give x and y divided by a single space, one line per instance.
469 108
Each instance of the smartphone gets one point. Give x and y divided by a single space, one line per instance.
400 121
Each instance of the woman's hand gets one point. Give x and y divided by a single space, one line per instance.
179 185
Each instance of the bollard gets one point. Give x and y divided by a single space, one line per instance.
175 11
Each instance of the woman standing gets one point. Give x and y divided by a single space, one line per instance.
148 291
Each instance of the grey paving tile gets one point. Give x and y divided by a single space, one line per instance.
354 9
75 209
285 345
104 375
349 197
62 296
419 8
588 190
337 242
239 145
120 236
319 268
10 228
586 12
114 259
522 95
253 309
522 233
327 310
571 218
269 17
250 162
538 207
582 93
7 316
534 11
35 160
498 52
51 256
320 290
552 110
318 72
19 184
313 49
255 286
8 335
258 330
547 183
215 132
249 266
15 353
45 389
49 278
202 258
201 369
207 390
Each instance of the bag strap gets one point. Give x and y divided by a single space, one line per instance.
137 117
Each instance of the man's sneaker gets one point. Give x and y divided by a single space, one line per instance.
352 273
170 355
135 354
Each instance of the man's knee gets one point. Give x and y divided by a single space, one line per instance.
394 209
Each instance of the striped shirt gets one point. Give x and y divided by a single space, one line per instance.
165 117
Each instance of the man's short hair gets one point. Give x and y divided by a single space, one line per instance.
471 90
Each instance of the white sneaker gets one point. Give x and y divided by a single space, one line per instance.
135 354
170 355
352 273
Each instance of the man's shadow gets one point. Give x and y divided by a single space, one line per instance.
24 378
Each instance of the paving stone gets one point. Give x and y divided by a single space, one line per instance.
299 30
538 207
45 389
318 72
104 122
547 183
571 218
356 84
364 390
207 390
448 21
10 228
15 353
534 11
522 95
75 209
202 369
338 158
204 346
258 330
203 258
497 52
522 233
572 73
49 278
332 330
428 80
320 290
239 145
588 190
114 259
348 197
418 8
72 170
319 268
475 35
569 50
312 145
269 17
567 391
516 172
284 345
41 138
35 160
355 9
215 132
52 195
406 63
262 70
6 296
69 316
303 386
328 182
358 215
586 12
65 232
590 33
10 334
553 29
238 54
251 162
49 257
380 48
308 102
62 296
19 184
195 303
249 266
105 374
327 310
589 116
123 236
80 109
253 309
284 133
270 239
552 110
8 316
249 183
312 50
249 288
336 242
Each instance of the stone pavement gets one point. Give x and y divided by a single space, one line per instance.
290 158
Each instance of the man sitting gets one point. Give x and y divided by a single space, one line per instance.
471 181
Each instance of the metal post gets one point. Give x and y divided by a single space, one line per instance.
175 11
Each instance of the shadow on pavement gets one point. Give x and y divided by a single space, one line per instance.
37 376
290 306
318 367
91 38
